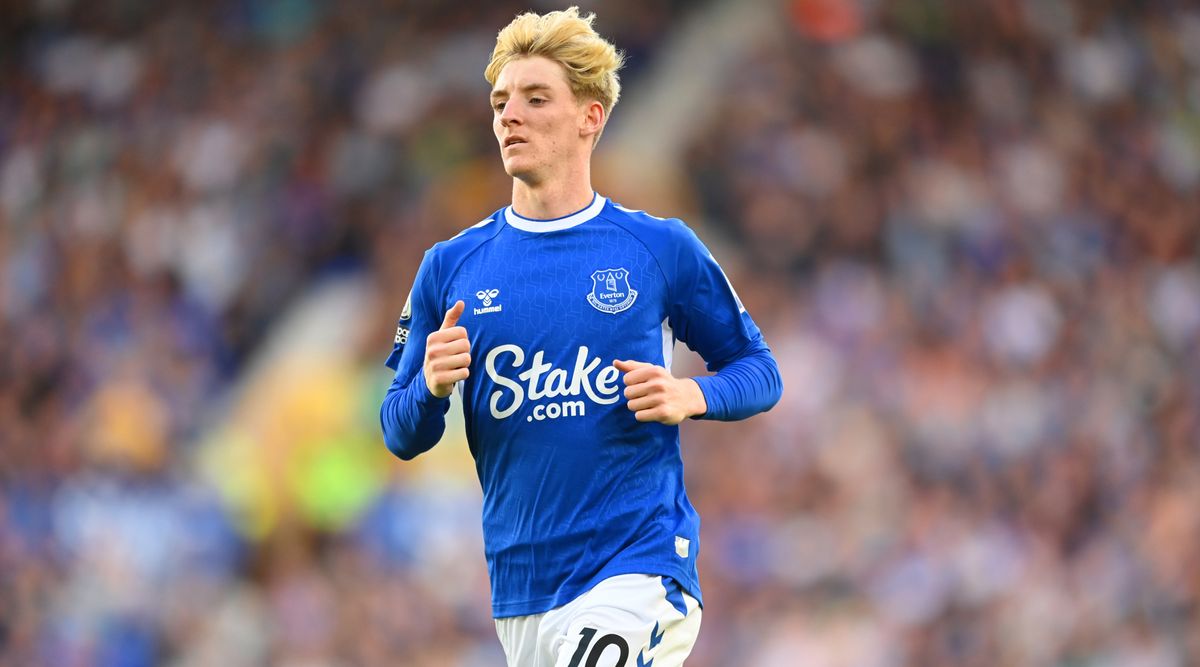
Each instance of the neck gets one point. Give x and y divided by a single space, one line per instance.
551 198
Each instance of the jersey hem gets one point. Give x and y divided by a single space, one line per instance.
686 580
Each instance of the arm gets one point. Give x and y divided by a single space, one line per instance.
705 313
748 385
413 419
427 362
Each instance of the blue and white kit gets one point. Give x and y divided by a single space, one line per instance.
575 489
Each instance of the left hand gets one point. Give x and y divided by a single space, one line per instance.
654 395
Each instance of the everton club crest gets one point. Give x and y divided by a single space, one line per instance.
611 292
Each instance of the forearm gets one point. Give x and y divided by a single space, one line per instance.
743 388
412 418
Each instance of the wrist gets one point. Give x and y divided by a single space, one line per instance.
430 396
698 405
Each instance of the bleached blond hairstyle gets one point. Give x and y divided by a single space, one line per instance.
590 61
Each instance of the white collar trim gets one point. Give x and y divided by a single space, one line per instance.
555 224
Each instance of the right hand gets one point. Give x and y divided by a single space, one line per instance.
447 354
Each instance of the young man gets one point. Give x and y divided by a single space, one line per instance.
555 318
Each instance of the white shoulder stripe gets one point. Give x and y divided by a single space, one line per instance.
632 210
474 226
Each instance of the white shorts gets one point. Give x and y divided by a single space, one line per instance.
625 621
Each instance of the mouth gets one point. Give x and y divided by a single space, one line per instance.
512 141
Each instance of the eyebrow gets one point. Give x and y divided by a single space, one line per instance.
529 87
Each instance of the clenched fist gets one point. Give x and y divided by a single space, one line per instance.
447 354
654 395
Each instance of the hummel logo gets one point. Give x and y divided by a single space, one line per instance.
655 639
486 296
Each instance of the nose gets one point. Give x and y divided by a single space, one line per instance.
509 115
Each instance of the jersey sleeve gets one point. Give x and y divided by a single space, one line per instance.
707 315
413 419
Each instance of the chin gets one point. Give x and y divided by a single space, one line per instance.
516 169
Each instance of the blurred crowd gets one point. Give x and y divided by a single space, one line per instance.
969 231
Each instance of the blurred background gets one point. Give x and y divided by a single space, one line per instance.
969 230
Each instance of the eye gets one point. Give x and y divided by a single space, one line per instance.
498 106
537 101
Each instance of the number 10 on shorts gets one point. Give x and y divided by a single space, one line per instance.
593 656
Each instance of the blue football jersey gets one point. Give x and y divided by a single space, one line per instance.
575 489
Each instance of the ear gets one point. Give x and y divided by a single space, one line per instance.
591 120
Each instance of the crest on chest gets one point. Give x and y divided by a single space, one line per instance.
611 291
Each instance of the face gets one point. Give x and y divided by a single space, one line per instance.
538 122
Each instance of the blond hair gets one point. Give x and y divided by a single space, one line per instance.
590 61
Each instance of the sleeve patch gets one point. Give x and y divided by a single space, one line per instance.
406 312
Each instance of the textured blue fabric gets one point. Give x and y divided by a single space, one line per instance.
575 488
